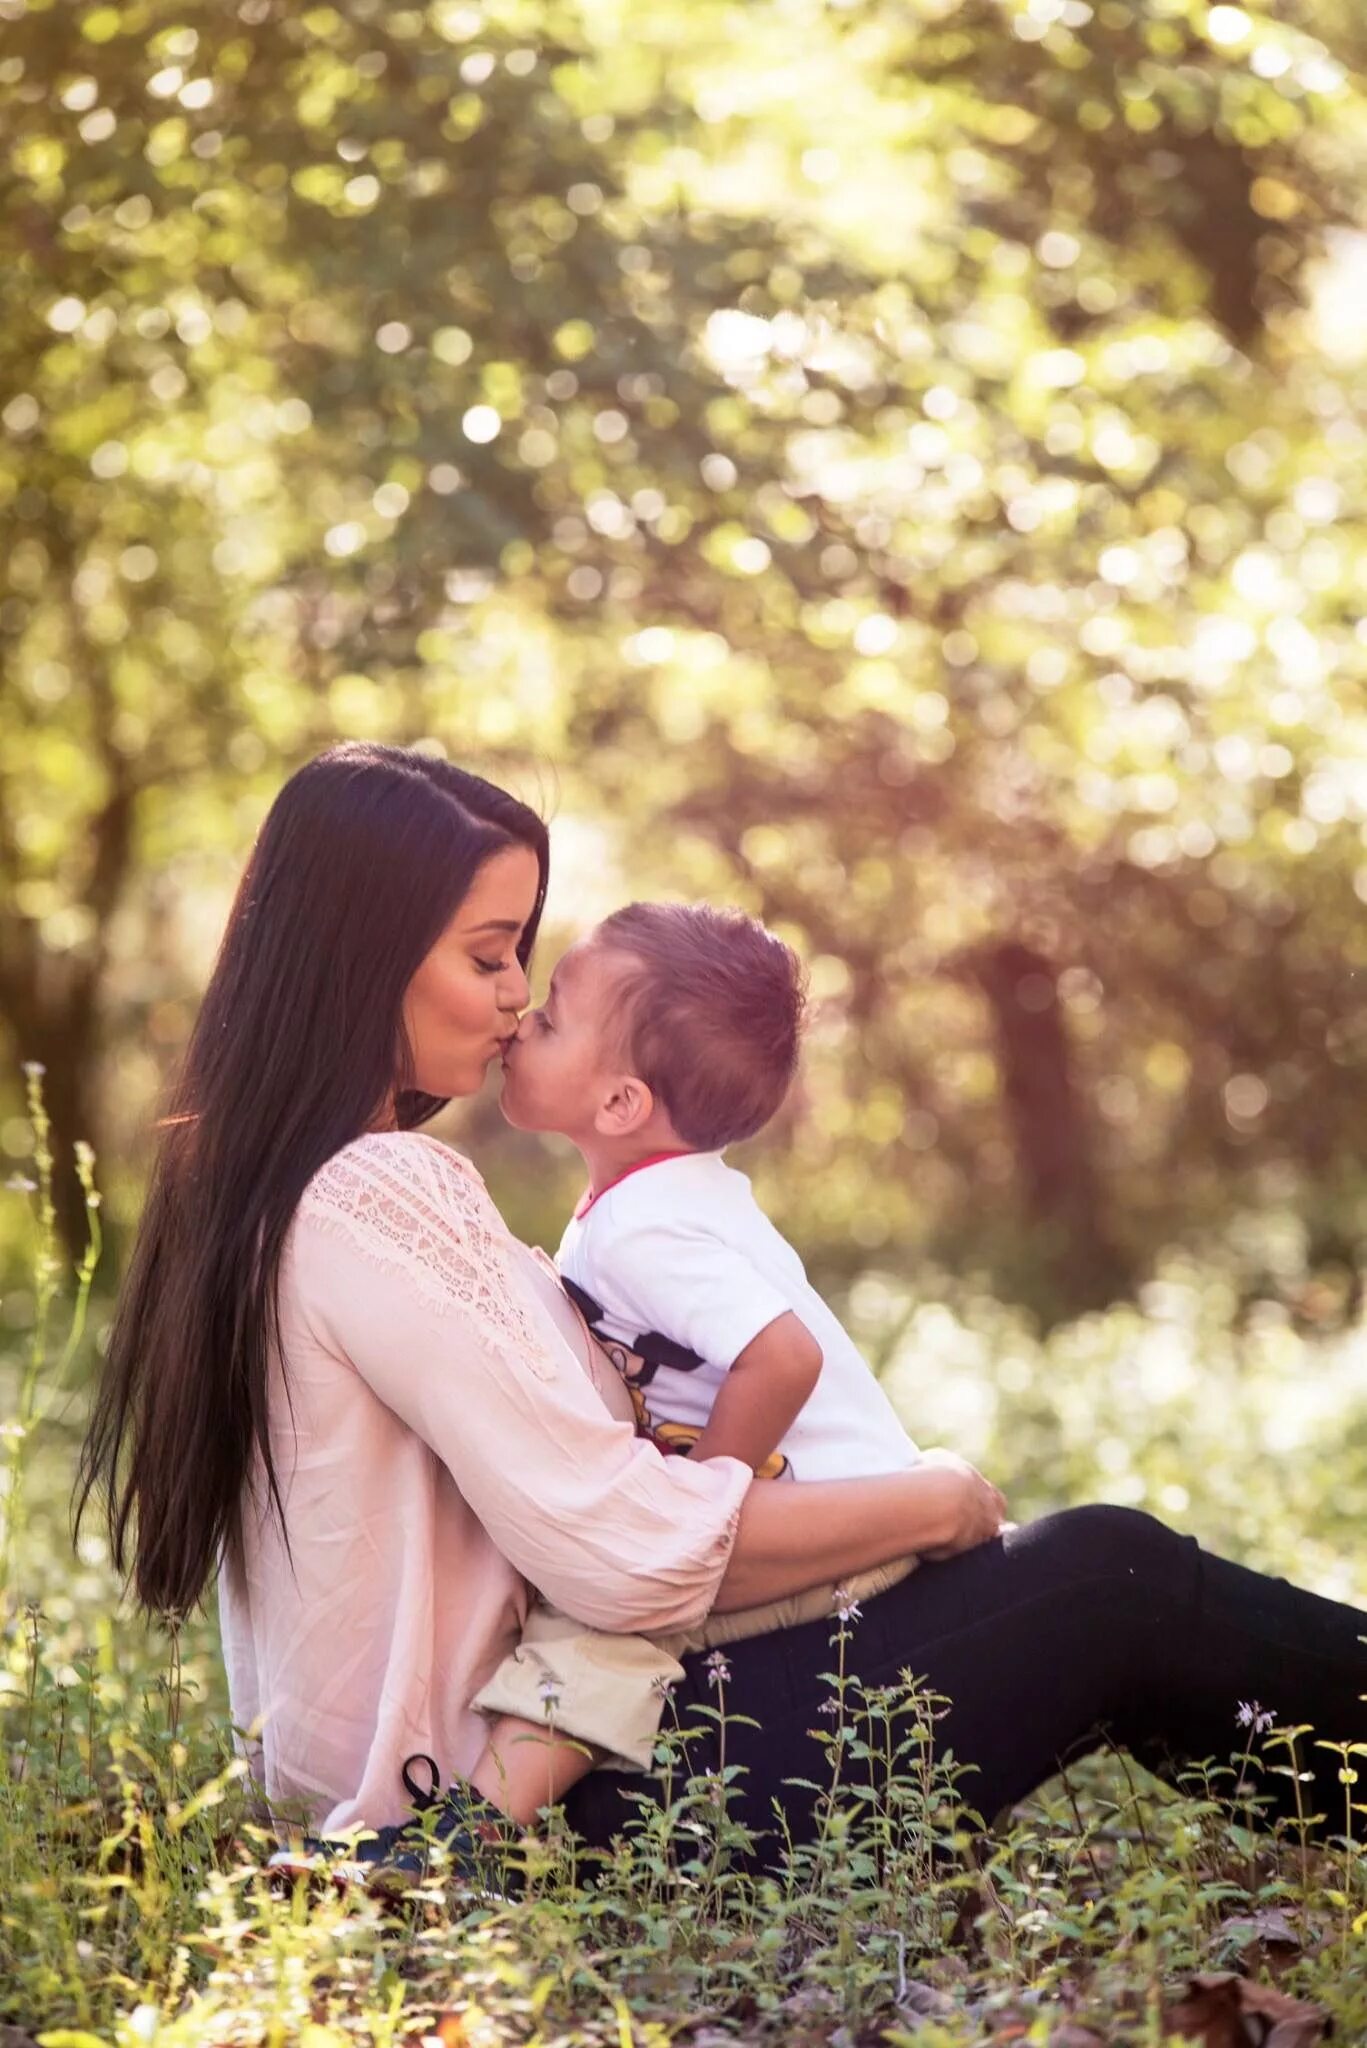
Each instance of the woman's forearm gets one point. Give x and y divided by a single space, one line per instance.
793 1537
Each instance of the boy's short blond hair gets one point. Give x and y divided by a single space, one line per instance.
712 1012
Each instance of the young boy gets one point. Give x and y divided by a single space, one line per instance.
668 1034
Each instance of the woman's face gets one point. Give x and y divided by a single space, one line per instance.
462 1004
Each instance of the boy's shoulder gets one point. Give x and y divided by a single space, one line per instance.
692 1189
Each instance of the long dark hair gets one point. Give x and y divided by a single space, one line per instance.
363 860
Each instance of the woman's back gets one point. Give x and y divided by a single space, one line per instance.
347 1648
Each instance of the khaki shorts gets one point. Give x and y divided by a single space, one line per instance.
610 1690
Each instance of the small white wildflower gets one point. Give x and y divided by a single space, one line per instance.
663 1686
846 1607
548 1692
718 1670
1254 1716
830 1707
35 1071
20 1184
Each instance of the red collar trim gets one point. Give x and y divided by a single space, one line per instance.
588 1198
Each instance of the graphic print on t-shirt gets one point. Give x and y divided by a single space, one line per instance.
638 1362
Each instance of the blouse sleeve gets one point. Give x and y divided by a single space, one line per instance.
404 1266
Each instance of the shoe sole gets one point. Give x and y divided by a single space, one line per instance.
377 1880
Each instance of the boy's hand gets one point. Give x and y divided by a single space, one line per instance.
763 1393
974 1510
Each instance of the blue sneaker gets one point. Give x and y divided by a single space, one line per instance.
455 1835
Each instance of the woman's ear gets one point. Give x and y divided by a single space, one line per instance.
626 1109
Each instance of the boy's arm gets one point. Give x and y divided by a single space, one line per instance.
763 1393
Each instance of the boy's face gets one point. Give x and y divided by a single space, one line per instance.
561 1066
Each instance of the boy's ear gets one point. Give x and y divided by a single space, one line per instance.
628 1106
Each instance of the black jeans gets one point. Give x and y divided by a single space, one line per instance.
1095 1622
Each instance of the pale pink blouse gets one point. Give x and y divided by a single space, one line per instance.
444 1432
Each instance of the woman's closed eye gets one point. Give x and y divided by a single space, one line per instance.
491 966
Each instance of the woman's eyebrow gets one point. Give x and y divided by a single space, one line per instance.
496 924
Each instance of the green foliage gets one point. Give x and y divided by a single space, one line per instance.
896 465
899 465
137 1905
137 1902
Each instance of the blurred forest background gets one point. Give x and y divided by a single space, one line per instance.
900 465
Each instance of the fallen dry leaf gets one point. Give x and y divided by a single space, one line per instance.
1221 2010
925 2001
1268 1928
467 2027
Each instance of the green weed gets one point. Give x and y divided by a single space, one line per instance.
135 1906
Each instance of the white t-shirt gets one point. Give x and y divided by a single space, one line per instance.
677 1269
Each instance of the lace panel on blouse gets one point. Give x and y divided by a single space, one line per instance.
415 1207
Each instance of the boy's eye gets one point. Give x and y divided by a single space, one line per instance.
490 966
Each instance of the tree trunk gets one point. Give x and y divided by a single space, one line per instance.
62 1035
54 1003
72 1102
1048 1120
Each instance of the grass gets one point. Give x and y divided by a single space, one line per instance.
134 1906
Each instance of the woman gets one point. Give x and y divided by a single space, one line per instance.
335 1377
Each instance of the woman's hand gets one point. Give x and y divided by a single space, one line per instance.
819 1530
969 1508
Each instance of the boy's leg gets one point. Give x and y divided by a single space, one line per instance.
525 1767
818 1603
575 1685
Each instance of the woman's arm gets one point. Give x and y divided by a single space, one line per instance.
403 1268
793 1537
